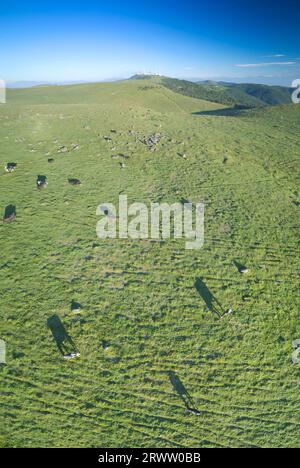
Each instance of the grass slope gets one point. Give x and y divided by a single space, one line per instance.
267 95
246 95
144 324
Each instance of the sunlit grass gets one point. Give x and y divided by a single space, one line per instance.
142 316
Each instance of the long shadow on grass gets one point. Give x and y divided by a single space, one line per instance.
183 393
227 112
63 341
210 300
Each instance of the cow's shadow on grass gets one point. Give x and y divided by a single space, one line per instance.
63 340
210 300
183 393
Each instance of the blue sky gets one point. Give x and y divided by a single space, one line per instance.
101 40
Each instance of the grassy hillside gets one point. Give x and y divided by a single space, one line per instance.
209 92
267 95
145 334
246 95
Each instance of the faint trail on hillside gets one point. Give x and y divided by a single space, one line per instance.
175 103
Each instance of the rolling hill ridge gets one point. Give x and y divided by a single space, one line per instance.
231 94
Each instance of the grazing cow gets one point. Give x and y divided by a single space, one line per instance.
10 167
41 182
9 214
74 181
182 155
50 160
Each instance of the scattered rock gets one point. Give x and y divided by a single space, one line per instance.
2 352
74 147
296 343
120 155
71 356
296 353
151 141
62 149
122 165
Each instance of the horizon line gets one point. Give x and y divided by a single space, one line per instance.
36 83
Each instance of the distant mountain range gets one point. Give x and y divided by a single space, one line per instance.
32 84
233 94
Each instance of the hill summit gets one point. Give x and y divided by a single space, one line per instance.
247 95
